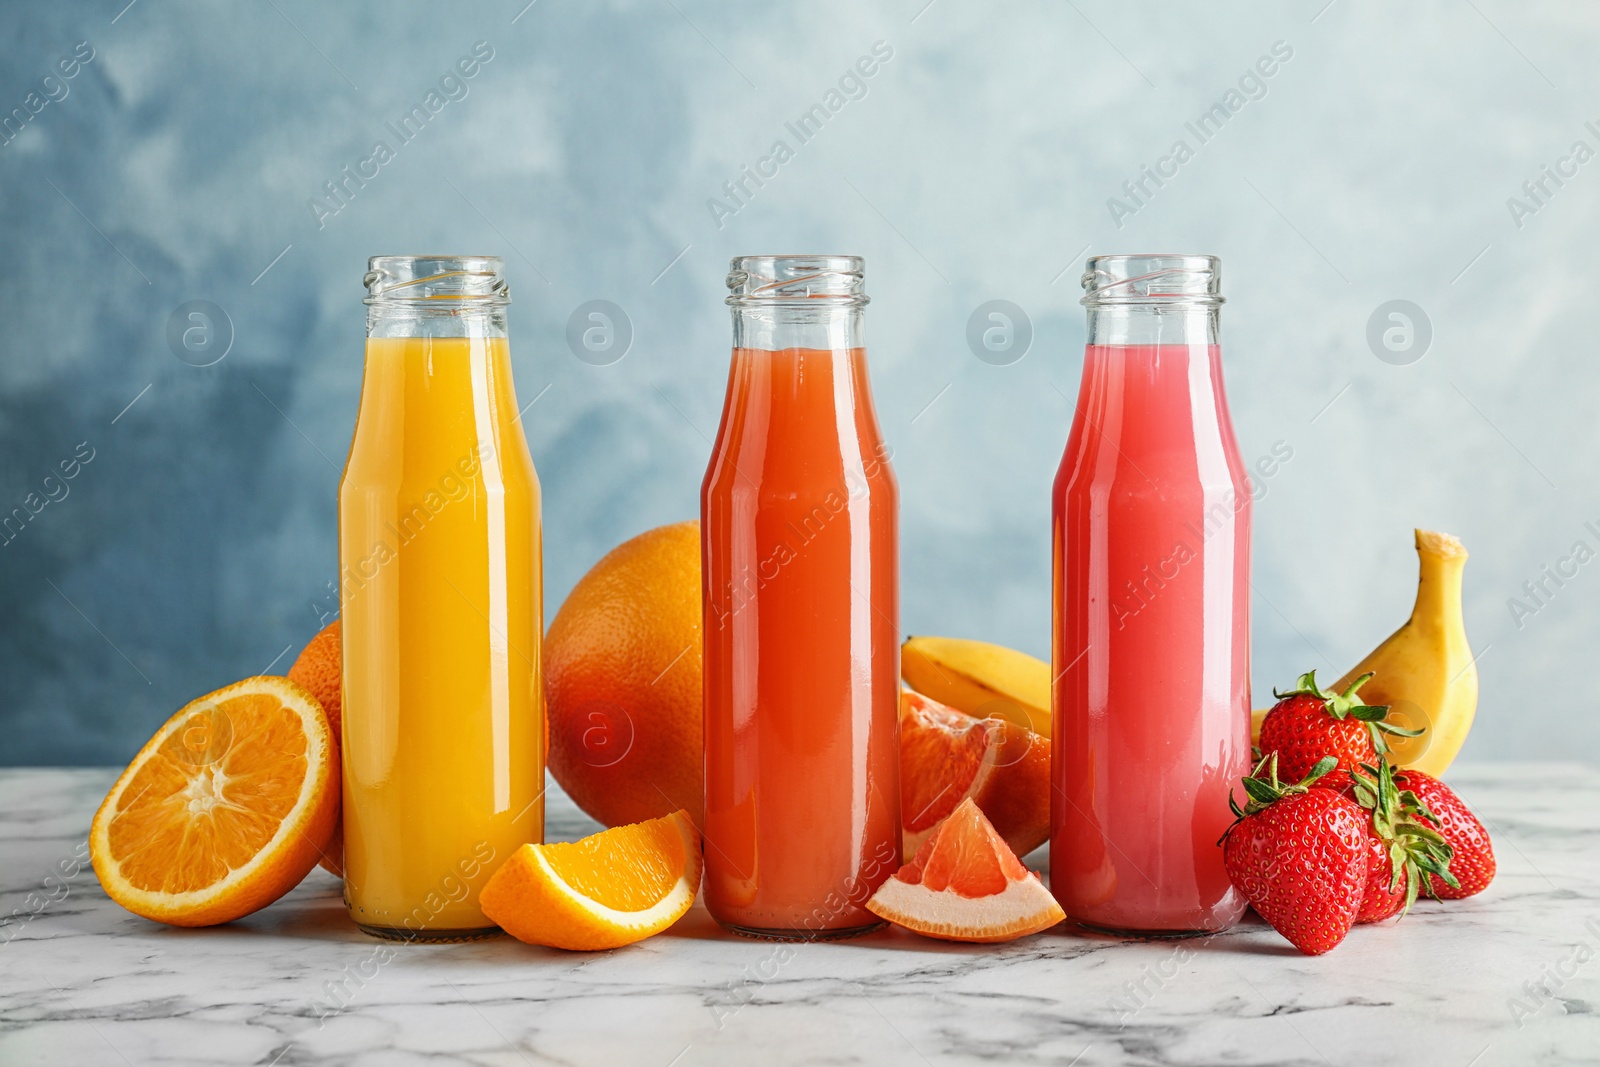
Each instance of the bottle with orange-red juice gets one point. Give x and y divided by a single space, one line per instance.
1152 609
800 589
440 597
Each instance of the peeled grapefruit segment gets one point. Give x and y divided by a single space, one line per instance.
224 810
608 890
947 756
965 884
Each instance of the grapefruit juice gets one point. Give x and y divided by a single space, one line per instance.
800 589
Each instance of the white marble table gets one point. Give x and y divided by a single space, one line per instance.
83 982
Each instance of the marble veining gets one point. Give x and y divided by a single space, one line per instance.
1511 977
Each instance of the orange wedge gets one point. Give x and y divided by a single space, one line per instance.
965 884
224 810
947 755
610 889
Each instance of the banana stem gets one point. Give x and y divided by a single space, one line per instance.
1441 558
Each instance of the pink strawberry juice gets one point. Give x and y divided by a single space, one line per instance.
1152 617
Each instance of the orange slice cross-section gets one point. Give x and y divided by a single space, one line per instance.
224 810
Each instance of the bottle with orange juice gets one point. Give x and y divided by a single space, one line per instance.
440 597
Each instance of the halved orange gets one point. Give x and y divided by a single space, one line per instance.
224 810
947 755
610 889
965 884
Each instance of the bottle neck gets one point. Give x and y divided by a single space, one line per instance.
1154 324
405 318
436 296
828 325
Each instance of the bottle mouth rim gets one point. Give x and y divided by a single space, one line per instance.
1160 278
437 280
798 279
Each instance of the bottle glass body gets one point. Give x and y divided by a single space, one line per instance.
799 513
441 605
1151 609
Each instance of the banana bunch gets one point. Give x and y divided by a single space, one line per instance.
1424 671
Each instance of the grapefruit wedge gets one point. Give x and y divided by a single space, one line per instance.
947 756
965 884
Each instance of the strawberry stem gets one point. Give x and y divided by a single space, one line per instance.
1266 790
1347 705
1400 819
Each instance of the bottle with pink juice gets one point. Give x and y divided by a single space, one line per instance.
1152 609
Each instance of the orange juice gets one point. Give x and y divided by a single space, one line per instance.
439 544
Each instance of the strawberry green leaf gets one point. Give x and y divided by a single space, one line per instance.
1400 820
1260 790
1322 767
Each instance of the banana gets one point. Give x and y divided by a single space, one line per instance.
980 678
1425 670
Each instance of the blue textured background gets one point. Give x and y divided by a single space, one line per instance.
1376 163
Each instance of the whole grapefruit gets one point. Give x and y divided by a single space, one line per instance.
622 681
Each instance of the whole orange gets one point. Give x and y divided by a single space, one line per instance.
318 669
622 681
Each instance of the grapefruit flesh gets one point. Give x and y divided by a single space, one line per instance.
965 884
947 756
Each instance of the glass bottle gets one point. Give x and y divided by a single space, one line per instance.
1152 609
441 605
799 513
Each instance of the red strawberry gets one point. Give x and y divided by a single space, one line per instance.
1402 844
1472 862
1383 895
1299 856
1308 723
